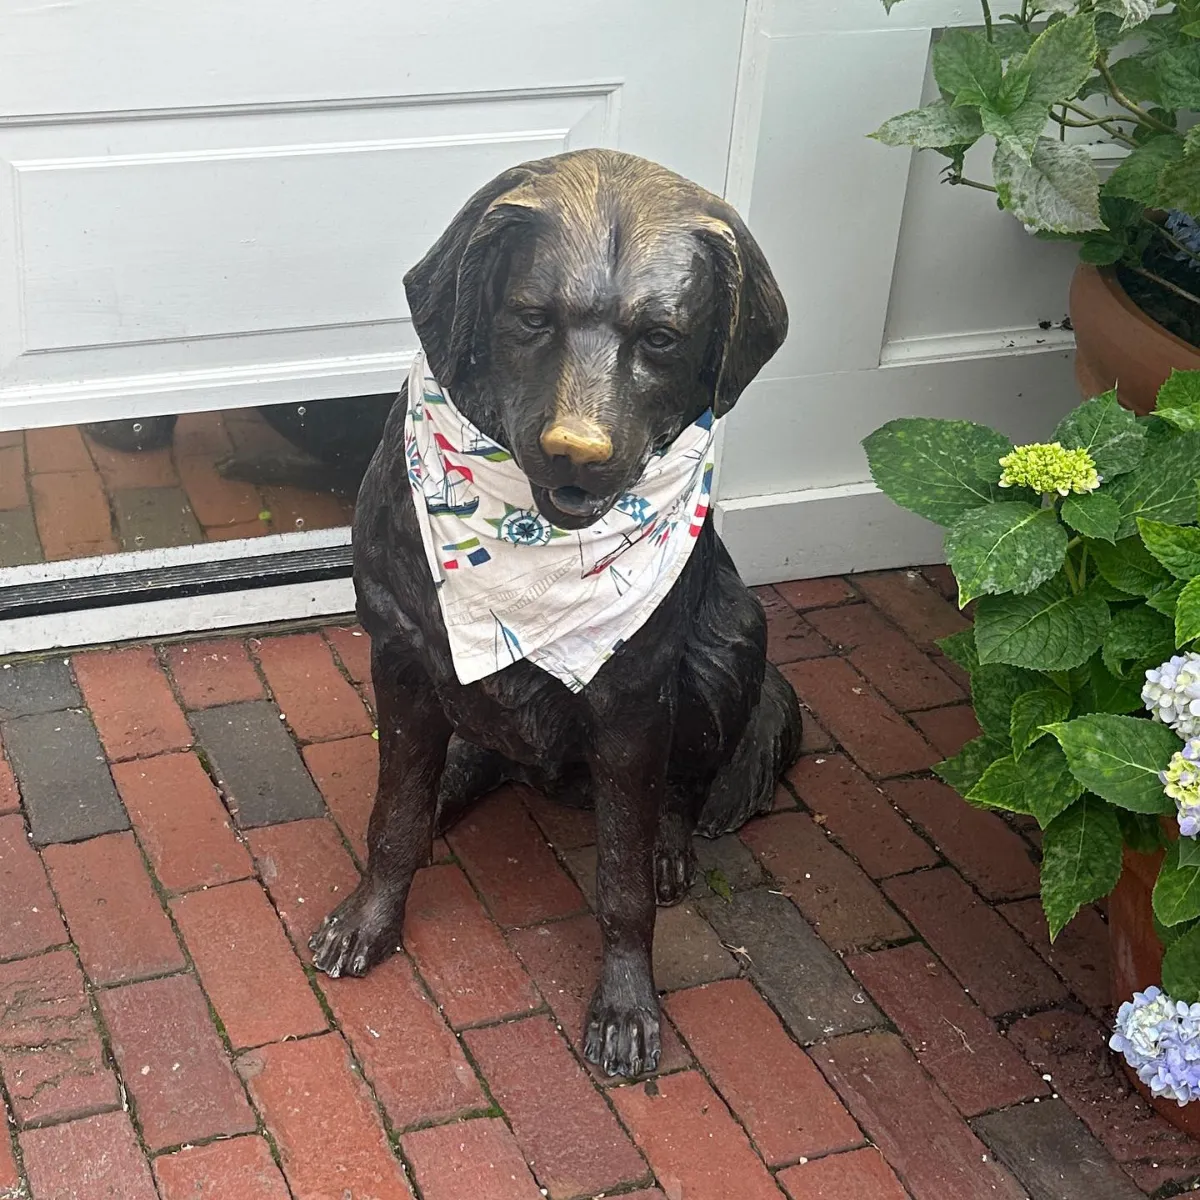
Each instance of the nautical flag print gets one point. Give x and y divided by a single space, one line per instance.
464 554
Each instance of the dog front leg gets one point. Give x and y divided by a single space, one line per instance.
413 735
629 779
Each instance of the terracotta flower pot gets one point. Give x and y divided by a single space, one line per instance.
1118 345
1137 958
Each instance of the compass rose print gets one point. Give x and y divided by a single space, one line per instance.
524 527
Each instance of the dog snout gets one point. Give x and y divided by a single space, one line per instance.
578 439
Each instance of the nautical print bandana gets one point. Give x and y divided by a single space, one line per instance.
512 585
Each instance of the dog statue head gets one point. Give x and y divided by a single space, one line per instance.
584 309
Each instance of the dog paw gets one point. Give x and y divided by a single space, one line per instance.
622 1040
362 931
674 861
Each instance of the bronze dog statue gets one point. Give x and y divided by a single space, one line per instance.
583 311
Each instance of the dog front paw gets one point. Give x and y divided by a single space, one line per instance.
674 861
622 1039
362 931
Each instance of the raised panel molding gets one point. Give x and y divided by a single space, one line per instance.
308 215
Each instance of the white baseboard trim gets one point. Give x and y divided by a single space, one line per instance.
164 618
824 531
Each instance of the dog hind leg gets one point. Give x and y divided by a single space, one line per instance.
745 786
470 773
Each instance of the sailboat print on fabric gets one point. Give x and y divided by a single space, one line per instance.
506 646
454 494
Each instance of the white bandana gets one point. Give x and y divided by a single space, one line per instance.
511 584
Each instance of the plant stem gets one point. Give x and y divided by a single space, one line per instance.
1105 123
1083 565
963 181
987 20
1024 14
1072 578
1171 287
1143 118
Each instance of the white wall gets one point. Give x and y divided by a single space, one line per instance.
907 297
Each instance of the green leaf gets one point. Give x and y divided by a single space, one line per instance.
1081 860
967 66
1177 890
1050 629
1119 758
1007 547
1137 636
1165 598
1137 176
1108 432
1039 783
1060 60
1130 566
1056 190
1179 184
1181 967
1189 852
938 469
932 127
1032 710
1142 832
1187 614
1178 70
1179 399
994 690
1177 547
1093 514
1107 693
718 884
960 648
1131 12
966 768
1162 487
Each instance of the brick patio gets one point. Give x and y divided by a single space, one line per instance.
861 1002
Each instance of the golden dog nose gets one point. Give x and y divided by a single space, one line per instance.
577 438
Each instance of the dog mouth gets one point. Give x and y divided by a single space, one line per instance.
571 507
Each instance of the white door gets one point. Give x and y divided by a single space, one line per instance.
205 205
907 297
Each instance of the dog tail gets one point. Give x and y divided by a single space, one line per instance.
745 786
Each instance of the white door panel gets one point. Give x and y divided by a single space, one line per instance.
210 205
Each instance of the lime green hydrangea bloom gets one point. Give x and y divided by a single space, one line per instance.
1047 467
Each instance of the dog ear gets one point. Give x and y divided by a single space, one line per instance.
752 316
445 288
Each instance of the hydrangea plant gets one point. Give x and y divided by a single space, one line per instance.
1033 83
1082 556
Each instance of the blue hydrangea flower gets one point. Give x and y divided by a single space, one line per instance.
1185 229
1172 694
1160 1039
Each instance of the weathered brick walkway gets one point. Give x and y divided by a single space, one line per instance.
861 1003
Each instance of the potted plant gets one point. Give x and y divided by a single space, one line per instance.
1083 558
1033 84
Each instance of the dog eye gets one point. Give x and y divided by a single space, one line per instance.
534 318
660 339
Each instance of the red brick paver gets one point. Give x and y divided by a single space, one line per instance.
114 916
854 1176
872 894
96 1159
241 1168
934 1152
561 1122
478 1159
135 711
317 1108
51 1059
877 737
695 1147
30 922
769 1082
181 821
173 1062
246 965
312 693
211 673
